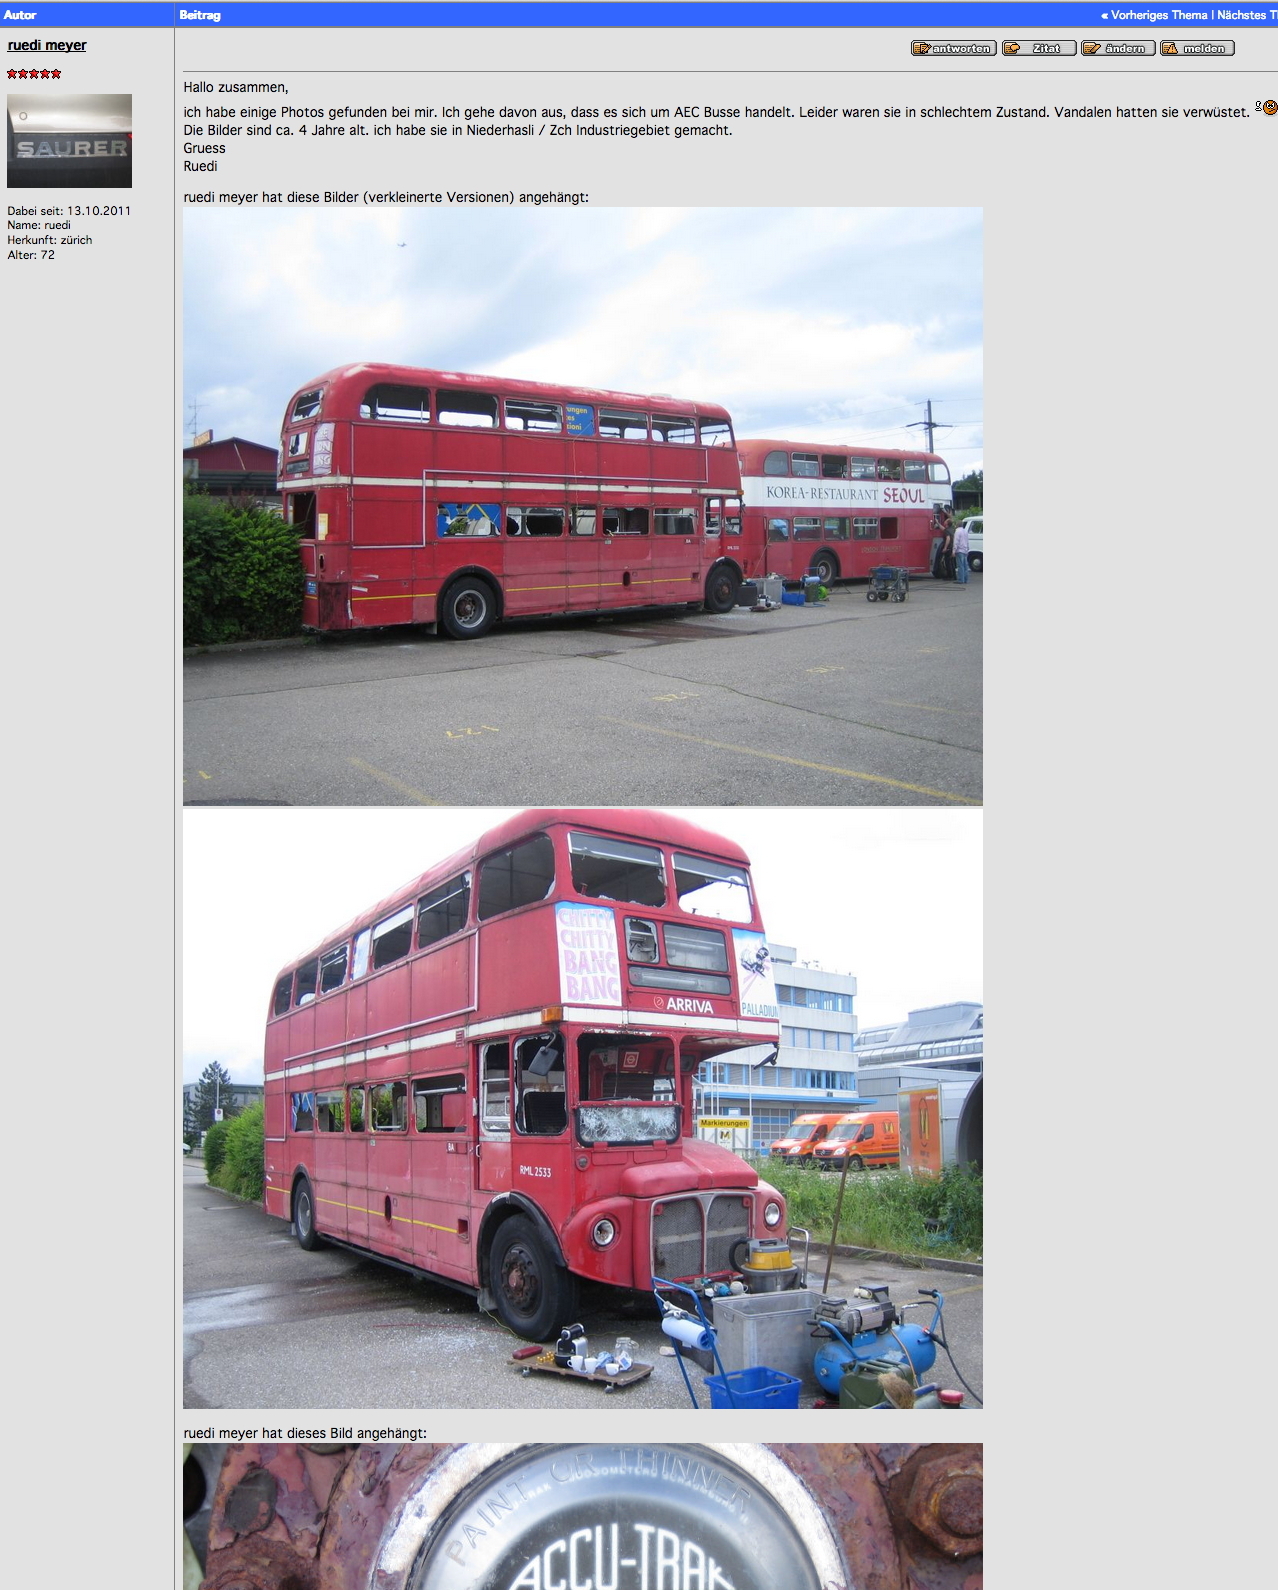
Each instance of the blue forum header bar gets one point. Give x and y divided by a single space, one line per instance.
1000 15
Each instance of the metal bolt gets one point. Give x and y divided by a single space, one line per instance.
945 1502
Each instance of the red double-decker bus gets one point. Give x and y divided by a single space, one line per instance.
838 512
489 1076
427 497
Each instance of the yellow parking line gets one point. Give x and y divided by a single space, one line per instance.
794 761
394 783
917 706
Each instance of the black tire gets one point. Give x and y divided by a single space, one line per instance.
871 595
304 1217
535 1296
855 1163
975 562
825 568
722 584
468 609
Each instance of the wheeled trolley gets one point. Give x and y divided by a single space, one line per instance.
888 584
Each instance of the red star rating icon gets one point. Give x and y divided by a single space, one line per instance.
55 73
13 74
45 73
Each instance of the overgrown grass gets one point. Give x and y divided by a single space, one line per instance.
241 1168
888 1209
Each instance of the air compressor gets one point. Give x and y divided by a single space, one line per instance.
865 1337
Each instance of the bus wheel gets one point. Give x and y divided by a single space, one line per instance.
304 1217
535 1296
468 610
825 568
721 588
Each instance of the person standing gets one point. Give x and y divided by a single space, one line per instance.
943 559
960 552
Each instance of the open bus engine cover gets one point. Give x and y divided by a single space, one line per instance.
596 1516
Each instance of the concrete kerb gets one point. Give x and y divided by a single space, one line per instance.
248 645
914 1261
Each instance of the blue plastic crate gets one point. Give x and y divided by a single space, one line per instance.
753 1388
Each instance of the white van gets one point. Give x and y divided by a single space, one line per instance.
976 543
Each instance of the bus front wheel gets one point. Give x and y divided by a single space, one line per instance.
535 1296
304 1217
721 589
468 610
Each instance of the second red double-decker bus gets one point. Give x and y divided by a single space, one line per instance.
489 1076
429 497
838 512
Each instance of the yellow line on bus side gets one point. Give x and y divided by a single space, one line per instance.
394 783
794 761
359 1209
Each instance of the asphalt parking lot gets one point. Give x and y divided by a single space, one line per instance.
267 1326
843 703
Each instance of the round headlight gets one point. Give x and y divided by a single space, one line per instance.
603 1233
772 1213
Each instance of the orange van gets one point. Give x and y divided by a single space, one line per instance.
806 1131
868 1141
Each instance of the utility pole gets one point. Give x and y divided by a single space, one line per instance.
929 425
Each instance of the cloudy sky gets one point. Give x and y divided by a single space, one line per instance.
891 895
813 324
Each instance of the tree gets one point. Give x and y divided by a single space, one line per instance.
212 1091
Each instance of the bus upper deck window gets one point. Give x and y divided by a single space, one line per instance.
862 468
333 969
777 462
397 403
306 406
307 981
805 464
889 469
521 415
668 428
443 911
466 408
834 466
915 469
393 937
283 995
938 474
619 425
713 888
716 433
518 876
617 869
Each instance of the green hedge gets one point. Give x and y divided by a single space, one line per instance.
241 573
215 1148
242 1169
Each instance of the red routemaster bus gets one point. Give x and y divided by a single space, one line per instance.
838 512
489 1076
430 497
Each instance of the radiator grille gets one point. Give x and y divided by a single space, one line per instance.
676 1239
728 1222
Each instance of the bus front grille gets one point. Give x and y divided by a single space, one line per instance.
676 1239
727 1223
690 1237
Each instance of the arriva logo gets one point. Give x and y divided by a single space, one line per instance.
687 1007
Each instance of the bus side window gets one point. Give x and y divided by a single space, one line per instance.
388 1106
363 942
584 521
676 522
435 1101
494 1090
333 969
515 877
716 433
466 408
307 978
393 937
834 466
355 1108
283 994
303 1112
